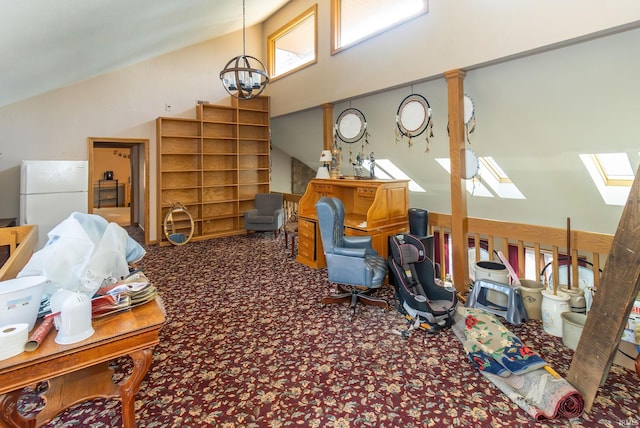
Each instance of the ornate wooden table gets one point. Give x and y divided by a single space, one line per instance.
80 371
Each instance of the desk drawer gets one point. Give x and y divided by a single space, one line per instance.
323 188
306 253
307 229
366 192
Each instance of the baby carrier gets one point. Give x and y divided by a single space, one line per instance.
428 305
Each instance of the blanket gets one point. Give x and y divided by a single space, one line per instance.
515 369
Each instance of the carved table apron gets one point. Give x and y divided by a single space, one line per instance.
80 371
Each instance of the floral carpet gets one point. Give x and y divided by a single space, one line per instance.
246 344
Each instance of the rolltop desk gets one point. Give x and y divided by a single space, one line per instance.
378 208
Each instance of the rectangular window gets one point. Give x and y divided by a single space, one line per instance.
294 45
355 20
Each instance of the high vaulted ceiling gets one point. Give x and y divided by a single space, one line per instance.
49 44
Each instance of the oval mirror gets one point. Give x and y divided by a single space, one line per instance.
178 225
351 125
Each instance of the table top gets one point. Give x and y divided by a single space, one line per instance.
114 336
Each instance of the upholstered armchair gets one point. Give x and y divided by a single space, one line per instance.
352 263
268 214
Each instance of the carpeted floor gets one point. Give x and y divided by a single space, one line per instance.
246 344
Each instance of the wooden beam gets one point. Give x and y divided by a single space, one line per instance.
327 126
620 284
459 227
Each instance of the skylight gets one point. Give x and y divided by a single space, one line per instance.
387 170
489 174
612 174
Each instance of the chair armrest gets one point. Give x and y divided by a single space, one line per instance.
251 213
350 252
357 241
279 214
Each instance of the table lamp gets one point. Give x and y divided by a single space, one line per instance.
325 158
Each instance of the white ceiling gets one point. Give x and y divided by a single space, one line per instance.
47 44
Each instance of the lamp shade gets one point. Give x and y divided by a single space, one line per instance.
323 172
325 156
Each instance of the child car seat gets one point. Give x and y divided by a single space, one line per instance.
418 297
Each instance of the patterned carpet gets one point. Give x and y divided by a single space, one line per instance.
246 344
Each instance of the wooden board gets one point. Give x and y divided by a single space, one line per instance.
21 241
619 286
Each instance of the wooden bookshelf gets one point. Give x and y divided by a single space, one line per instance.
214 165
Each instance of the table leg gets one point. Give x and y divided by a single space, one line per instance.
129 388
72 388
9 415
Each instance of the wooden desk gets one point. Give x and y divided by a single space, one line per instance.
378 208
80 371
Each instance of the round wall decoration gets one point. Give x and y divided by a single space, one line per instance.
413 116
469 109
472 165
351 125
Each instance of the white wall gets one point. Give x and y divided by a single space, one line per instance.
535 113
280 171
121 104
454 34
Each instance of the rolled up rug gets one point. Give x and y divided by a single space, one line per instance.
517 371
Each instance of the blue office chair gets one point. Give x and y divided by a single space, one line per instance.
352 263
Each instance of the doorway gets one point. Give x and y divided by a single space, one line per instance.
122 196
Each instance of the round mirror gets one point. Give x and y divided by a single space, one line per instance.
178 225
413 115
351 125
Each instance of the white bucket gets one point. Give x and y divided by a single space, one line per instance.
496 272
531 292
553 305
20 300
572 326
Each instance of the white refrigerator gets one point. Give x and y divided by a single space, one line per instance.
50 191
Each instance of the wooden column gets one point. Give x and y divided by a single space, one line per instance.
459 227
327 126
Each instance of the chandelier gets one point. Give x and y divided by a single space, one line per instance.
244 76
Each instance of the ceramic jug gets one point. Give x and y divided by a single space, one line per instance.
576 299
553 305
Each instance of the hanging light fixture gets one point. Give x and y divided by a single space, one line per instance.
244 76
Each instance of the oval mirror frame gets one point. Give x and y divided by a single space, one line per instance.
176 222
351 125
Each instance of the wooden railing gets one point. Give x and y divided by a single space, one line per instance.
290 204
585 247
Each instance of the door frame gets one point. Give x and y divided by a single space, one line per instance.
139 176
